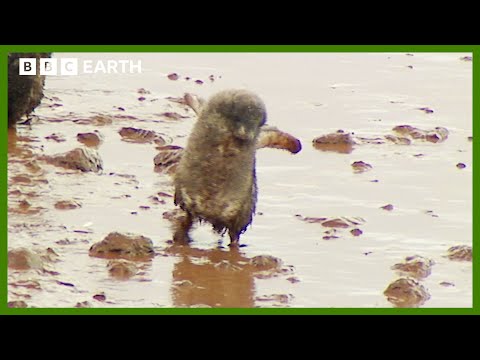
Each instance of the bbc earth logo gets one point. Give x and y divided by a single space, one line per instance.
72 66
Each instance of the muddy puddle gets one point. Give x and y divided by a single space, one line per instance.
325 234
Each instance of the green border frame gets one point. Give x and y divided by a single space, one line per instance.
5 49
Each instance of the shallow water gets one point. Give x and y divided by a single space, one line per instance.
306 95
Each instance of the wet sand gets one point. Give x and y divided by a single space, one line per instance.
307 95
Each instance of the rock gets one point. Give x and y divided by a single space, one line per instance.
142 91
360 166
33 166
173 76
398 140
17 304
426 110
56 137
67 205
460 253
438 134
100 297
336 223
340 222
277 298
172 115
123 246
340 142
96 120
415 266
83 304
408 130
406 292
266 262
388 207
356 232
27 284
272 137
167 159
25 92
130 134
83 159
461 166
331 234
24 259
90 139
121 269
21 179
311 219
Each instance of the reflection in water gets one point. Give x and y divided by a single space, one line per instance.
215 277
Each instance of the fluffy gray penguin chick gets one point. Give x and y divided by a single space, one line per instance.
215 180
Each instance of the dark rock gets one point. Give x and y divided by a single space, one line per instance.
356 232
100 296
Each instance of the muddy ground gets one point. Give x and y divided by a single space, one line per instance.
325 233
